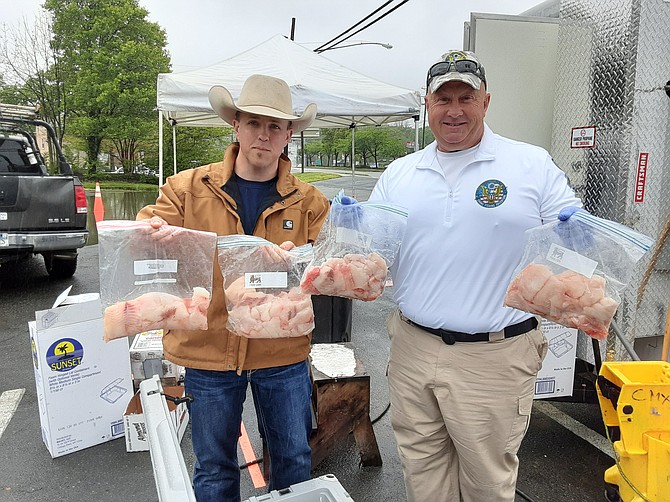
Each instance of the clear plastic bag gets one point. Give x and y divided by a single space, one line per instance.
356 245
148 283
262 286
573 271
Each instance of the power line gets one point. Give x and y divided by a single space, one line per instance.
318 49
323 47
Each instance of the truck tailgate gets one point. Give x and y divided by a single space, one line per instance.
32 203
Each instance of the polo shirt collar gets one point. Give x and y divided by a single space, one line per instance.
486 151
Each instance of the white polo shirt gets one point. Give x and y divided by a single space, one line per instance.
464 240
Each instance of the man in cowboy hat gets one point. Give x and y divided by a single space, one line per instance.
250 192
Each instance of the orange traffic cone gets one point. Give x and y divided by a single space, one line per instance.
98 208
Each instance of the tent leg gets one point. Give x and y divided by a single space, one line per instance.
416 133
302 151
160 148
174 149
353 162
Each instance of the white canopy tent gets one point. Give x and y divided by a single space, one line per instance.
344 98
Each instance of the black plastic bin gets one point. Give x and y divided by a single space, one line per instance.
332 319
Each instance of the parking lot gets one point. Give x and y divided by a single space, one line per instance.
562 459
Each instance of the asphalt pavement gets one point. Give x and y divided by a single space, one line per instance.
562 458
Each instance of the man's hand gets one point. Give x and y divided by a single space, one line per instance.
287 245
277 255
346 213
566 212
159 230
574 234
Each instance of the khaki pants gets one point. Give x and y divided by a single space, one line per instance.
459 412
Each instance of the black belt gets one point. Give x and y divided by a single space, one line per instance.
451 337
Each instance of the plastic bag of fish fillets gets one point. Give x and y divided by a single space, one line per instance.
262 287
573 271
150 283
356 245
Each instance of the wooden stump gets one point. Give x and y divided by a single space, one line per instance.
342 407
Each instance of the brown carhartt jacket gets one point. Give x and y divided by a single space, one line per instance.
204 199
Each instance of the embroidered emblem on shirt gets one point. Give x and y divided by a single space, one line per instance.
491 193
287 225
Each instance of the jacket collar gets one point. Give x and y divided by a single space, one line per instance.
486 151
223 171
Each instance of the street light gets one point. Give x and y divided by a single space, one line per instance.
385 46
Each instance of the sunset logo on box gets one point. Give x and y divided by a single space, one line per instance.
65 355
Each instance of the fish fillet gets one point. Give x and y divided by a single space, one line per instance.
568 298
355 276
156 310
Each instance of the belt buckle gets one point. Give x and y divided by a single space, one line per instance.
495 336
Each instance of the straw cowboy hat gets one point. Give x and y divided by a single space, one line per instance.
261 95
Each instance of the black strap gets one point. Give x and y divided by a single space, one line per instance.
451 337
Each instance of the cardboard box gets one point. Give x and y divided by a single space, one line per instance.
83 384
146 360
136 431
556 378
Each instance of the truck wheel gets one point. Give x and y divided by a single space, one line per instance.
60 267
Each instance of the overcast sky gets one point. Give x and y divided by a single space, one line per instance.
204 32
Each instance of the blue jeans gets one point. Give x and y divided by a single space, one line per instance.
282 398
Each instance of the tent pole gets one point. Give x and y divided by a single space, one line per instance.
302 151
160 148
174 148
416 133
353 162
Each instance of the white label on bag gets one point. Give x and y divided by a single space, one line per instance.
146 267
266 280
572 260
348 236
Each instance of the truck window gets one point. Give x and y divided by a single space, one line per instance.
15 158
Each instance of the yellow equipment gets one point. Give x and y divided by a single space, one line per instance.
634 399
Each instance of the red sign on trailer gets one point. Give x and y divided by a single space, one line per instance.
641 178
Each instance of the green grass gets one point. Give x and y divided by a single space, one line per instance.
312 177
309 177
121 185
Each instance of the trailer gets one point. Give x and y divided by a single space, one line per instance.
590 82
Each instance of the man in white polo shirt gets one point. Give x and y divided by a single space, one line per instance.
462 367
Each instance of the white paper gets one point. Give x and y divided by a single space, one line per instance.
572 260
333 360
266 280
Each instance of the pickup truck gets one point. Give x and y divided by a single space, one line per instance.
39 213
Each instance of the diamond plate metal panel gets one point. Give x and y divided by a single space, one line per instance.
612 65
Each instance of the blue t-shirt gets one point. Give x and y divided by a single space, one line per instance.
252 194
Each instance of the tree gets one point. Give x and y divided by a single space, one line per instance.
313 151
30 61
10 94
335 142
110 57
373 144
196 146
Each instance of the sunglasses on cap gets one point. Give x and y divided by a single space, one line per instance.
461 66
